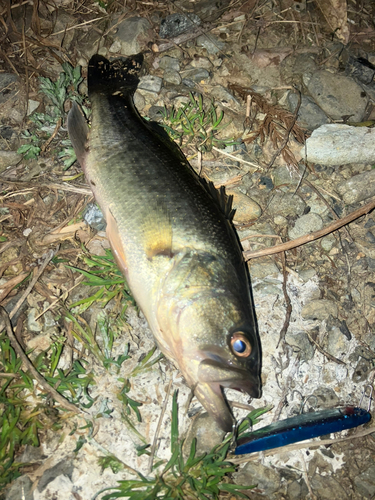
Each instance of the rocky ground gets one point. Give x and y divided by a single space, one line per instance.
296 84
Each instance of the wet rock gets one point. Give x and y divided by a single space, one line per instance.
302 345
319 309
150 83
198 75
206 431
365 482
265 478
360 69
246 208
310 115
327 488
9 159
326 397
172 77
338 95
175 24
358 188
20 489
212 44
306 224
286 204
168 62
337 144
132 36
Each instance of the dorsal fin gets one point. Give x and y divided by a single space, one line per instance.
222 200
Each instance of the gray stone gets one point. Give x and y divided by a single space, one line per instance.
362 72
65 467
9 159
280 220
221 94
212 44
132 36
94 217
206 431
175 24
327 488
286 204
8 86
319 309
20 489
358 188
197 75
201 62
265 478
338 95
297 490
336 343
282 175
262 269
246 208
32 106
328 242
306 274
361 371
171 76
365 482
326 397
306 224
302 344
310 115
151 83
337 144
168 62
266 287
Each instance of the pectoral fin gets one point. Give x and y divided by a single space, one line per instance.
78 133
116 243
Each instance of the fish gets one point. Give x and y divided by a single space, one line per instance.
172 235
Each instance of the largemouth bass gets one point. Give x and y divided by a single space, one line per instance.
172 238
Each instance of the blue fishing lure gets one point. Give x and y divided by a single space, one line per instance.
301 427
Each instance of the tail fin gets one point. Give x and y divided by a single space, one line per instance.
119 76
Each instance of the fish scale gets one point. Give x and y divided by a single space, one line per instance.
172 238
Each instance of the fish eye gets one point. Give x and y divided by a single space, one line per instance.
240 345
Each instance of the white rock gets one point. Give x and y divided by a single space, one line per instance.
336 144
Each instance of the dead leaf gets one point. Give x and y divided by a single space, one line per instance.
270 57
335 13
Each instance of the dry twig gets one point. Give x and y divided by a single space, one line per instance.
312 236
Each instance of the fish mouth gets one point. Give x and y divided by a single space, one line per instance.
213 376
